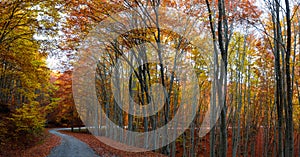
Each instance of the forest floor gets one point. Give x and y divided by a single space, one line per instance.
105 150
40 149
50 141
202 146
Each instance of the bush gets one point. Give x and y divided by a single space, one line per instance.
22 127
28 119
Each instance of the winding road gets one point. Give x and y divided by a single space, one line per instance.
70 147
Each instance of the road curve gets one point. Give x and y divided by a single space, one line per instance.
70 147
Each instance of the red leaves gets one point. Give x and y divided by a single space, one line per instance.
105 149
65 113
39 149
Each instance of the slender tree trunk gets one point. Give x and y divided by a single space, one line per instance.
289 109
176 124
192 152
223 80
131 96
298 93
215 65
278 96
184 145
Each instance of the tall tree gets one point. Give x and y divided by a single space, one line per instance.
24 87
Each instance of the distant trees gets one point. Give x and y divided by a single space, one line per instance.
64 112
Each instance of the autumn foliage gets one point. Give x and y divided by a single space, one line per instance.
257 41
64 113
25 90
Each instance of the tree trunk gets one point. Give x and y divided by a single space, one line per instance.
289 109
278 95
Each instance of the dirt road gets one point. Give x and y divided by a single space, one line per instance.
70 147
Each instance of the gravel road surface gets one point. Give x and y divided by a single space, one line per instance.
70 147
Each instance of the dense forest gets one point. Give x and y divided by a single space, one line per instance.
177 77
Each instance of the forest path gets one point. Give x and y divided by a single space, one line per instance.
70 147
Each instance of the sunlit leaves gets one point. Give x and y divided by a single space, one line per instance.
24 77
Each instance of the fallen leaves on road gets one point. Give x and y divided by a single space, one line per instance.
41 149
105 150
